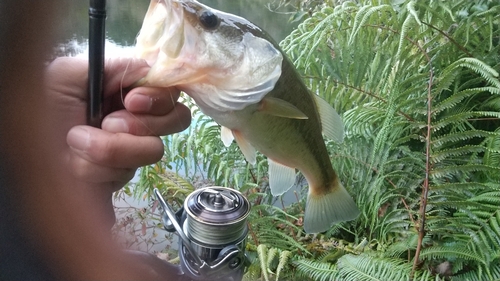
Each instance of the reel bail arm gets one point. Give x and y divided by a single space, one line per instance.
212 233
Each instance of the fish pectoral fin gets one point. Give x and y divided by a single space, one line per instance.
281 108
325 210
281 177
331 123
246 148
226 135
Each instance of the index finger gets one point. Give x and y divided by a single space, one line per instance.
70 75
116 150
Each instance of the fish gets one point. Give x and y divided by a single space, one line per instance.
238 75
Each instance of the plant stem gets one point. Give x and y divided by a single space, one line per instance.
462 48
252 233
425 189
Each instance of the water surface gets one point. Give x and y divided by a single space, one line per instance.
124 20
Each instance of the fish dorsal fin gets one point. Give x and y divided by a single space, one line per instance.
246 148
331 123
226 135
281 177
281 108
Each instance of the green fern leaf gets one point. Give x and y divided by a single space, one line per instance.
450 252
487 72
319 271
262 253
451 171
365 267
441 155
271 255
283 261
453 138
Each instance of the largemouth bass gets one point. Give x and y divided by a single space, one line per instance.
238 76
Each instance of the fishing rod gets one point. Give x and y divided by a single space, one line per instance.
97 29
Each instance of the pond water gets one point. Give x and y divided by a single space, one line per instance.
124 20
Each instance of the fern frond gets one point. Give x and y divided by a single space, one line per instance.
441 155
451 251
411 9
452 171
492 157
271 255
283 261
363 16
403 247
478 275
319 271
281 240
454 137
486 71
456 186
262 254
462 117
365 267
458 97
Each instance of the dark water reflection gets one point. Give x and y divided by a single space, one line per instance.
124 19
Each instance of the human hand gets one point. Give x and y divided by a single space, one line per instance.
103 160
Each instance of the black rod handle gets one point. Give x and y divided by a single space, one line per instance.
97 30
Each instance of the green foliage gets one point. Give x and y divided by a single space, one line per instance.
270 259
365 267
417 85
417 82
314 270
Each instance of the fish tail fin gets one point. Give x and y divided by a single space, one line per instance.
324 210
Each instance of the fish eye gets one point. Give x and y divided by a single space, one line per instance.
209 20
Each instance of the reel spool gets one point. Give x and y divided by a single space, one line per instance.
213 233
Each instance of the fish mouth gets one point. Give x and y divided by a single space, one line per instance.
163 17
164 41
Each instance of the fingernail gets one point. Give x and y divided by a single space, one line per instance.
115 125
79 139
141 103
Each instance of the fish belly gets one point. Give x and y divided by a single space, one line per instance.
295 143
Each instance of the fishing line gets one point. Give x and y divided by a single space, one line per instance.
122 97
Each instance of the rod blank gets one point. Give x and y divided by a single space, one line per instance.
97 30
